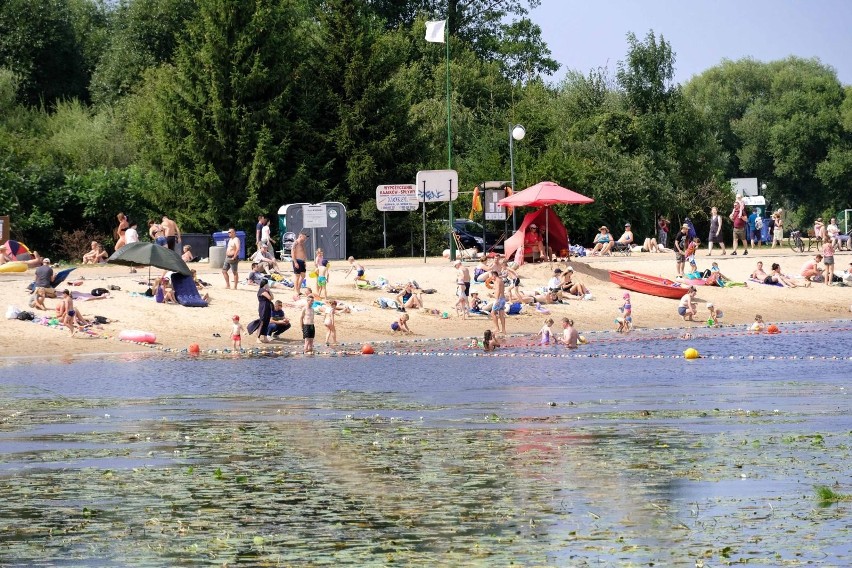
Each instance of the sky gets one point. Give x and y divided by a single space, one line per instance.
585 34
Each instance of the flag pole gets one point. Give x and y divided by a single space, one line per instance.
449 135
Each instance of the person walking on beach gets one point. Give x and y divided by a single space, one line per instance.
498 310
306 320
172 232
300 268
258 229
232 258
715 232
738 217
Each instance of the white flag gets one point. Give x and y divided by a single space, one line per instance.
435 31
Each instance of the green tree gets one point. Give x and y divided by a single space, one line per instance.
218 123
38 43
143 34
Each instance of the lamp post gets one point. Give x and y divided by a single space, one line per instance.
516 132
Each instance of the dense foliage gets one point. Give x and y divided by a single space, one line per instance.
213 111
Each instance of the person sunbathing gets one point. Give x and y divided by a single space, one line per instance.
409 298
759 273
603 243
776 277
92 256
571 286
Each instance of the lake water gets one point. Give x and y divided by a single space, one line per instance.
432 453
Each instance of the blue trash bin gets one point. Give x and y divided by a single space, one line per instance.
221 240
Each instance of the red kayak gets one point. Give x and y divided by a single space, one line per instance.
647 284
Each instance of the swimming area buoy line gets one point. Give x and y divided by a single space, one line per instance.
639 344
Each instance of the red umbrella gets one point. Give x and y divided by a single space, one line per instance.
545 194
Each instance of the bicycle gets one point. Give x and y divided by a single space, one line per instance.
795 241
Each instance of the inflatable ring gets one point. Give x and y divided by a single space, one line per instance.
489 282
15 266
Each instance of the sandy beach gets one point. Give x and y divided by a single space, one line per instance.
176 326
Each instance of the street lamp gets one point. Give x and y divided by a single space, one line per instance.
516 132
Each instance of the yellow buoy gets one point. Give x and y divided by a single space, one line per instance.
691 354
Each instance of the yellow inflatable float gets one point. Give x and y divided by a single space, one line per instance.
15 266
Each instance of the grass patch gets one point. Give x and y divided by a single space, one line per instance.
827 496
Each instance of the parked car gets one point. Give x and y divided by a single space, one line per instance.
473 235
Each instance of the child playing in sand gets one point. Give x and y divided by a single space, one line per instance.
331 310
306 320
359 271
686 309
322 279
489 341
546 332
401 324
237 333
625 321
713 315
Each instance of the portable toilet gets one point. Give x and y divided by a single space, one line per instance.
327 231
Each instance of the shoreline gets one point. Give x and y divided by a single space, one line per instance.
177 327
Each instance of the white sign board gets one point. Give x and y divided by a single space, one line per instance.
314 217
437 185
744 186
494 212
400 197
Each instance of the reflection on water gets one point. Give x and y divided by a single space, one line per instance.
444 460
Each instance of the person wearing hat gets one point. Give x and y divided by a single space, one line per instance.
625 241
533 242
44 278
603 242
571 286
265 259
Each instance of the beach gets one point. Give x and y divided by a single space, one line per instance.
177 327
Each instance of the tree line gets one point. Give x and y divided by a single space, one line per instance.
215 111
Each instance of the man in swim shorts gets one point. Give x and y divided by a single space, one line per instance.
172 232
232 258
498 311
300 258
306 320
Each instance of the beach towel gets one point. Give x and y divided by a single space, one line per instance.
85 297
756 281
186 292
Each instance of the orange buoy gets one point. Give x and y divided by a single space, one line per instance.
194 349
773 329
367 349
